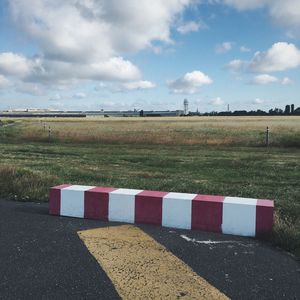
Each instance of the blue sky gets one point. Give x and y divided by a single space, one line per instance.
98 54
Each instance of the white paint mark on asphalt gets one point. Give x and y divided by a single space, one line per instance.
210 242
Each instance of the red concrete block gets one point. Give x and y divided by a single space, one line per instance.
96 203
54 199
264 216
207 213
148 207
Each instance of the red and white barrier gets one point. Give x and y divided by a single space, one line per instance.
229 215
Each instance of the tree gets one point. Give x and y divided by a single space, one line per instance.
287 110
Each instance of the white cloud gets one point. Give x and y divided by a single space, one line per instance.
244 49
246 4
83 40
100 86
29 88
79 95
138 85
282 12
191 26
116 87
281 56
258 101
53 72
216 101
286 81
115 68
157 49
15 65
190 83
235 65
267 79
224 47
264 79
286 12
4 82
56 97
73 30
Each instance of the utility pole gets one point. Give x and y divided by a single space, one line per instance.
49 133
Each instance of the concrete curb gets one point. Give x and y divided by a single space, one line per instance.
228 215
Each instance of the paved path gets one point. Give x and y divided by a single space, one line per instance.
141 268
42 257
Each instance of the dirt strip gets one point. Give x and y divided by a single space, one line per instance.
141 268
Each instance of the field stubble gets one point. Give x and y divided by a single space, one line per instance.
240 131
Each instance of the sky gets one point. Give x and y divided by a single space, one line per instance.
151 55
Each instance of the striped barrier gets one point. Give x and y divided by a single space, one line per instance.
229 215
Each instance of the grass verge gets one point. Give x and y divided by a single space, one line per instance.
24 185
27 171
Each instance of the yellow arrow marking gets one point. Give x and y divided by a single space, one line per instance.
141 268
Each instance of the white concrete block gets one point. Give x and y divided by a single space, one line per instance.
177 210
239 216
72 200
121 205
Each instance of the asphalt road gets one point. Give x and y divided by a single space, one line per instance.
42 257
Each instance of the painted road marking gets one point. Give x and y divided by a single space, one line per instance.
210 242
141 268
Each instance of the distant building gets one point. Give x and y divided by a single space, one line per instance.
186 107
141 113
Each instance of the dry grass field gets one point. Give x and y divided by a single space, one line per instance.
209 155
241 131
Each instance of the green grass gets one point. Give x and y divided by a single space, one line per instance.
30 166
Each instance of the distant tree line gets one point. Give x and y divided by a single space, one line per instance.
288 111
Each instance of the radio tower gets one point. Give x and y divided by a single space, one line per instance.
186 107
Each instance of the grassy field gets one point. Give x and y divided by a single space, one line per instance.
212 155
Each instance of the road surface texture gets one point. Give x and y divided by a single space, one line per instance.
43 257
